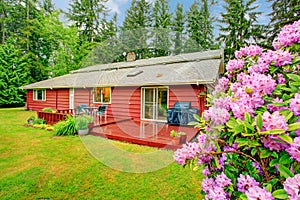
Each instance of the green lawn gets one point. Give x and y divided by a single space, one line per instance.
36 165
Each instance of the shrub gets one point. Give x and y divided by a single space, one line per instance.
47 110
249 147
66 127
82 121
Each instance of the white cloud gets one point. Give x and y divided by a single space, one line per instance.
114 5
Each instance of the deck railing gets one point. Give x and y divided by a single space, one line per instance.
52 118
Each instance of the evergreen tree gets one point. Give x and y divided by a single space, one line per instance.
199 25
134 33
178 26
12 76
88 16
162 25
240 26
47 6
283 12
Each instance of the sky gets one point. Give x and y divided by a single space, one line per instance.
120 7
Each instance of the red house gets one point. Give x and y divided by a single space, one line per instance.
141 89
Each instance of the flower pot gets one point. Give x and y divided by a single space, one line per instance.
175 140
91 126
182 139
83 132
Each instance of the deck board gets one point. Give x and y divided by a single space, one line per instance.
153 134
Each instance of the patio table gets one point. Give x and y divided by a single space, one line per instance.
91 110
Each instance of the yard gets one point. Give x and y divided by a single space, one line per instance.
36 165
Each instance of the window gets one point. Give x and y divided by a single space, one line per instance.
39 95
102 95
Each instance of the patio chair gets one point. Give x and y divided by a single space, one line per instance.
84 108
78 110
101 111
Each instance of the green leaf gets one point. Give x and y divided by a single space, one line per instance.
286 138
285 159
280 194
217 162
253 151
231 123
272 132
265 153
294 126
273 162
243 197
247 117
239 128
241 141
197 117
274 154
294 77
259 122
253 143
286 113
285 172
269 188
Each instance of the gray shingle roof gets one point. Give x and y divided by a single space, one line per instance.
191 68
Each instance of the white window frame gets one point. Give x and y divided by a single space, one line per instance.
101 101
143 101
35 95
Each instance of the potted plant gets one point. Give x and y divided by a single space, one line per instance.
81 123
178 137
90 120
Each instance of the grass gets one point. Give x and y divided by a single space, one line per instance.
36 165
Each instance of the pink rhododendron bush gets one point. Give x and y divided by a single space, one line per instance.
249 143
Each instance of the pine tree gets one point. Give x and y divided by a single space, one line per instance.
178 26
240 27
88 16
47 6
283 12
162 25
12 76
199 25
134 33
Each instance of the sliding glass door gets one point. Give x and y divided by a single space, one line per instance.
154 103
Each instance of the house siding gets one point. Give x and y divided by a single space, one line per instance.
125 101
187 93
56 99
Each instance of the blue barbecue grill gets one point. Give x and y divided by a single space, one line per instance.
182 113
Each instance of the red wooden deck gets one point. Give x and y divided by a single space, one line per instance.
153 134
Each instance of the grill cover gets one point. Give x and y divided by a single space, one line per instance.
182 113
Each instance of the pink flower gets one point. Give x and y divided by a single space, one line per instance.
294 149
222 180
270 122
292 187
235 65
295 104
188 151
256 192
274 121
280 79
245 182
282 58
217 115
235 86
223 102
288 35
252 50
273 108
207 184
274 143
